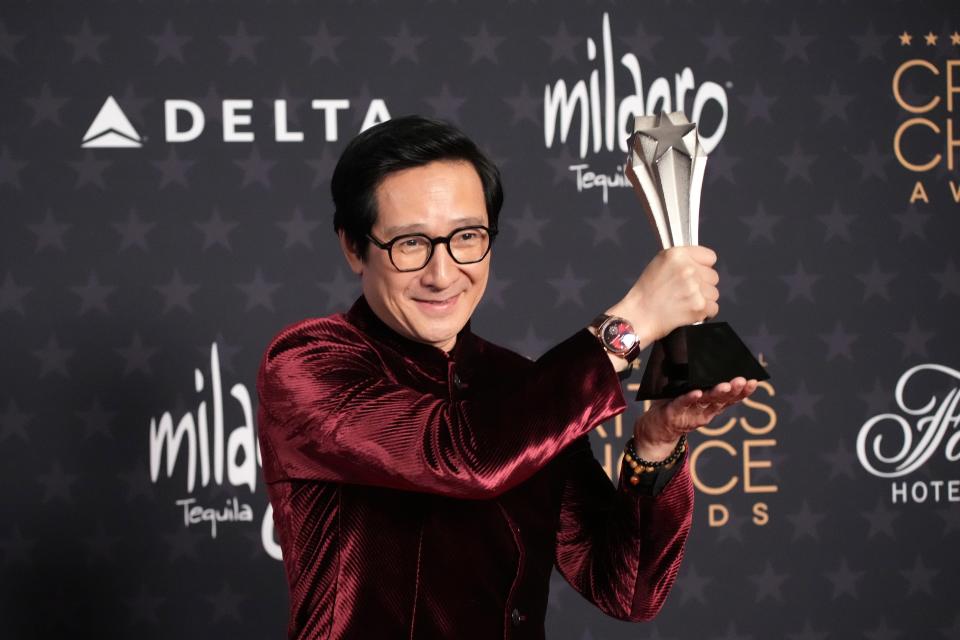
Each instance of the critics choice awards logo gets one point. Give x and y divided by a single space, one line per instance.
732 463
928 93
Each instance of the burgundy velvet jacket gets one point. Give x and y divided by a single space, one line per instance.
419 494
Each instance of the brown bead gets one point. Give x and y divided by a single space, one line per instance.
634 480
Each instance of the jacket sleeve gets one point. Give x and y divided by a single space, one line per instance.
618 547
328 411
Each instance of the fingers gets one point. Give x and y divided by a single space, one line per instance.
703 255
708 275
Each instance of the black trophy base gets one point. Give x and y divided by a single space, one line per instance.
697 356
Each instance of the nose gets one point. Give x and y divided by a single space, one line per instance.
441 270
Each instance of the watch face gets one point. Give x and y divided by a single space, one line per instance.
618 335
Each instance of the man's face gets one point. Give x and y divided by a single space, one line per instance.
431 305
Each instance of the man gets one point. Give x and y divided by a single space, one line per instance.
424 481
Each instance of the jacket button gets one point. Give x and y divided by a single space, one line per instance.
457 382
516 617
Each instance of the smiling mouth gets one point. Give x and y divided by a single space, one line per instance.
438 304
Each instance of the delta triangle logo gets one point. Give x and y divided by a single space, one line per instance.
111 129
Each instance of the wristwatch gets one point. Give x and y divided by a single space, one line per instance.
617 336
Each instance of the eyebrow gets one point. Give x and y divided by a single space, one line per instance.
415 228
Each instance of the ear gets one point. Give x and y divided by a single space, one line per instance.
350 253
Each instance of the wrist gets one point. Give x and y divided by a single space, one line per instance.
640 464
651 442
618 339
654 451
640 321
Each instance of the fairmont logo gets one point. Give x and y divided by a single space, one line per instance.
893 445
185 120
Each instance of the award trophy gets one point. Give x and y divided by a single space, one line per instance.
665 166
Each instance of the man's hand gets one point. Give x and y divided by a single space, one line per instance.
677 288
656 432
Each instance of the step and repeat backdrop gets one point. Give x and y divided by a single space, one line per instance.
164 195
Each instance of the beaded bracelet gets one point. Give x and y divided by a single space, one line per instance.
639 465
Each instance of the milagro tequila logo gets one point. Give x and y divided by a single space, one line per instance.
606 121
889 445
219 457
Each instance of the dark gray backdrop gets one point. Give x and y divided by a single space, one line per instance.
122 267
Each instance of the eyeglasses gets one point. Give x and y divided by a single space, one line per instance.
412 251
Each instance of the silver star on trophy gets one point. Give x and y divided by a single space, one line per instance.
666 166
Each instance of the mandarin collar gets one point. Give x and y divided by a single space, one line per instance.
364 318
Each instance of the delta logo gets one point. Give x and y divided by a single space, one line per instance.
111 129
185 120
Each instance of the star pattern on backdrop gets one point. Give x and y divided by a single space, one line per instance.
8 43
16 549
256 169
758 105
795 44
805 522
97 421
49 232
169 44
124 266
844 581
527 227
341 290
524 106
403 46
948 279
798 164
45 107
718 44
869 44
568 287
562 44
93 294
297 230
53 358
768 583
133 231
136 356
483 45
241 45
840 461
176 293
641 43
86 44
173 169
90 170
839 342
14 421
216 231
12 295
323 45
10 168
259 291
833 104
606 226
876 282
760 224
446 105
837 223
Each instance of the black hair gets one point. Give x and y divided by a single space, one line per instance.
400 143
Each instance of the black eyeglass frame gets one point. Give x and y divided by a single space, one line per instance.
388 245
